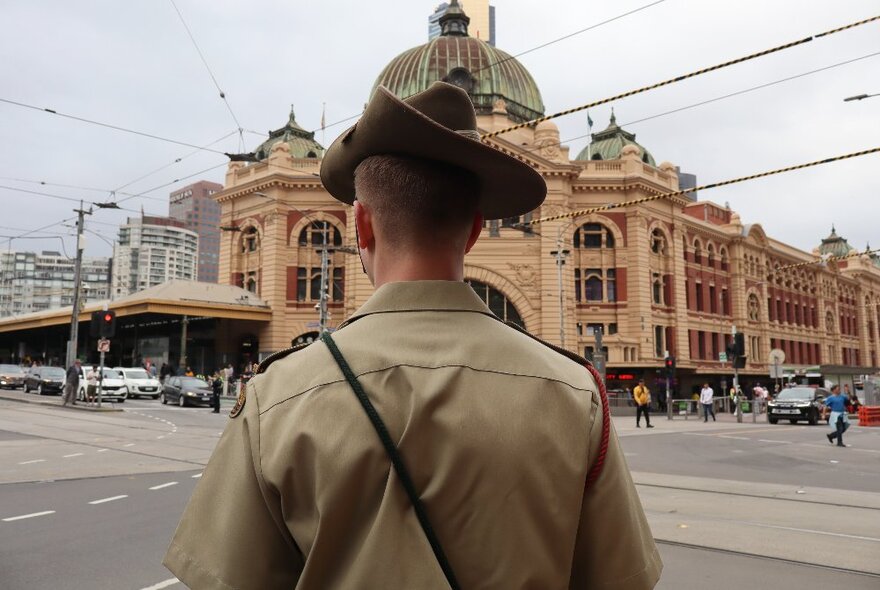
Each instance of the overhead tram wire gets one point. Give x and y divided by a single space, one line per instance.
609 206
210 73
680 78
711 100
826 259
63 198
570 35
543 45
108 125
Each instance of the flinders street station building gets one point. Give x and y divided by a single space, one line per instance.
671 276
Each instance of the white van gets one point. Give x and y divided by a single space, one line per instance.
139 383
112 389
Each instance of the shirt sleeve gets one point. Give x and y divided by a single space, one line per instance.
232 534
615 548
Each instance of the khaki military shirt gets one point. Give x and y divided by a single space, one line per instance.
498 432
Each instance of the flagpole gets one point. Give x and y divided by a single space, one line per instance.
323 124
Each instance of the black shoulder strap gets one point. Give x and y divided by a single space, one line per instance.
396 459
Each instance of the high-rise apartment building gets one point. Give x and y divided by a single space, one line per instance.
36 282
481 26
194 206
152 250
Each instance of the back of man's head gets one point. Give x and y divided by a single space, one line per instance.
418 204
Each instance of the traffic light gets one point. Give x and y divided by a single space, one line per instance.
103 324
670 366
739 344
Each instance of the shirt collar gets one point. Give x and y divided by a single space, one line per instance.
421 296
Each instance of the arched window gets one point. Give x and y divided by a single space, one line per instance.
593 235
250 240
497 301
658 242
657 289
313 234
251 284
829 322
754 307
698 253
710 255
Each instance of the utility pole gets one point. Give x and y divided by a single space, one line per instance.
737 401
77 276
560 255
323 316
599 355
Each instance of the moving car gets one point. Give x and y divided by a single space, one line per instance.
45 380
797 403
139 383
112 389
11 376
186 390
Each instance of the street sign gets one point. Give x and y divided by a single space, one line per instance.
776 372
103 345
722 356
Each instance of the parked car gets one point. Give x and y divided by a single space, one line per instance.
11 376
112 386
186 390
797 403
139 383
45 380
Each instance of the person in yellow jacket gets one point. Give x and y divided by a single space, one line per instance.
642 395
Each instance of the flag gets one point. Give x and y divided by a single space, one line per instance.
323 112
589 120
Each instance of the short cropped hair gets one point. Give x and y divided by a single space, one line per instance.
417 201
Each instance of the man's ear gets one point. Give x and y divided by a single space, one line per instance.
363 220
476 228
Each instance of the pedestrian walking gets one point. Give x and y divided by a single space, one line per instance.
706 398
216 390
71 383
446 481
838 420
92 384
642 397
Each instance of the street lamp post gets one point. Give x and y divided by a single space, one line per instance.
561 254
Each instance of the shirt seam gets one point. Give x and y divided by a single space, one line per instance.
443 366
198 566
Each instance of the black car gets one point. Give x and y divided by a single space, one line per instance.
45 380
186 391
797 403
11 376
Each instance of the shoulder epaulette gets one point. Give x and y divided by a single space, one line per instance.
264 364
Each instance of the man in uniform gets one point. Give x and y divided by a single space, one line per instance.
499 432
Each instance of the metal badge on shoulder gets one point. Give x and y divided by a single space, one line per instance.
239 403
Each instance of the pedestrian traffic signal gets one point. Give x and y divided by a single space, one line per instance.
103 324
670 365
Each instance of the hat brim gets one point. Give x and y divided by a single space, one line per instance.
390 126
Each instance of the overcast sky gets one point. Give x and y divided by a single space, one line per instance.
132 64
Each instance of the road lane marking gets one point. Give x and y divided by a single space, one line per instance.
797 530
160 437
782 442
163 584
129 445
197 475
733 437
32 515
32 461
73 455
164 485
103 450
110 499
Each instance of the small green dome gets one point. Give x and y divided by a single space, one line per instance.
302 143
835 245
607 144
486 73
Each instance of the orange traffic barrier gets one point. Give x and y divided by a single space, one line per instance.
869 415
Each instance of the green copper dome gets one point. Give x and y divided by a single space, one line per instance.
607 144
486 73
835 245
302 143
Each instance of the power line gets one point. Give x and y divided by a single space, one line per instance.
680 78
826 259
210 73
543 45
108 125
711 100
570 35
600 208
53 196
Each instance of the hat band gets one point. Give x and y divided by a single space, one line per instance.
470 134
